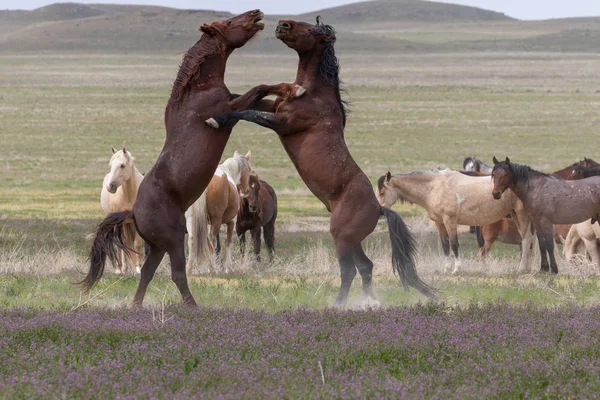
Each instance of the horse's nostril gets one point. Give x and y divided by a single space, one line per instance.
285 25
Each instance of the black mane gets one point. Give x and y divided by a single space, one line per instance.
380 182
522 173
329 66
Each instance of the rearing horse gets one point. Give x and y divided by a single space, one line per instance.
311 130
189 157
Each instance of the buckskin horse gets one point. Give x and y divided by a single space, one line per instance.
547 200
189 157
311 129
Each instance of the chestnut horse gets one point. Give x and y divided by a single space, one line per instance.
189 157
547 200
258 212
452 198
311 130
119 191
218 205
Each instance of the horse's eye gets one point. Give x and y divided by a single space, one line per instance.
122 165
228 23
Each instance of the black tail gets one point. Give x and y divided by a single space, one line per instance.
107 242
480 239
403 253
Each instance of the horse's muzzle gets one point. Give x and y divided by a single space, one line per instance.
497 195
112 188
253 208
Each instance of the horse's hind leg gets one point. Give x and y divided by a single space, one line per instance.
542 243
138 245
269 234
445 243
177 256
255 232
228 261
155 256
347 273
365 269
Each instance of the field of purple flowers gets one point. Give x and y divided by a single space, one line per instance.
423 351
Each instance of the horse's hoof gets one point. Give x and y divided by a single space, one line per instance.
299 91
212 122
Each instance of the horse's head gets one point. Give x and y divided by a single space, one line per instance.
245 167
237 31
577 172
501 177
304 37
121 169
386 195
253 198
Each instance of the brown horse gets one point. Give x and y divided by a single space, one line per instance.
547 200
311 130
218 205
258 212
189 157
504 231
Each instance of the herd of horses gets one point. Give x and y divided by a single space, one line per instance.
188 192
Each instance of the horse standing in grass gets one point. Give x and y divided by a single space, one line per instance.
451 199
547 200
190 155
258 212
119 191
311 130
218 205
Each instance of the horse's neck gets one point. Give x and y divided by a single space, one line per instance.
233 174
130 186
413 188
308 68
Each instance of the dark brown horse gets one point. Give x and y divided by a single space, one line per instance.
257 213
189 157
547 200
311 130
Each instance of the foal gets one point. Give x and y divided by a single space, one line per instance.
547 200
119 191
258 212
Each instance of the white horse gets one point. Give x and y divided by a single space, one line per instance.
119 192
219 204
451 198
588 233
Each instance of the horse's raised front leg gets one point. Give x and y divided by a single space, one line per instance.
262 118
254 95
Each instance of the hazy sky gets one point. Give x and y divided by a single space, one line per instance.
522 9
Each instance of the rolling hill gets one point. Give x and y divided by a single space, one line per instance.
370 26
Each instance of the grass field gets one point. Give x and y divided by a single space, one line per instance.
60 115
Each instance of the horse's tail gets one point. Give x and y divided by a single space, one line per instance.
403 253
479 234
200 227
107 242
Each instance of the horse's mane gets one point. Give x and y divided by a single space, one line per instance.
591 171
467 160
232 162
189 69
522 173
329 65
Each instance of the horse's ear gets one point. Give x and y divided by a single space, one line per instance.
236 154
257 178
507 160
248 156
495 160
124 150
388 176
113 149
208 29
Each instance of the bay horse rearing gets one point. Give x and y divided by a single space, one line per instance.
547 200
257 213
189 157
311 129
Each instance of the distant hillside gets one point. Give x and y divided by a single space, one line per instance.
404 26
406 10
